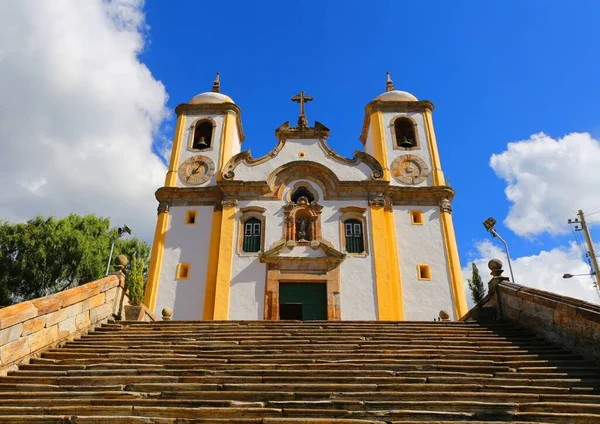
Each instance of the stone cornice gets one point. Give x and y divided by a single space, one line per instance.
218 108
345 190
385 106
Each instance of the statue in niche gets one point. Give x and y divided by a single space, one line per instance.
302 232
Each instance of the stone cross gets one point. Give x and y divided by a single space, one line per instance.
301 98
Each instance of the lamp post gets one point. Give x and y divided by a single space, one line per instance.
120 231
578 275
489 225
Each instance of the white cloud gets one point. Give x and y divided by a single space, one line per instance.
78 112
548 180
542 271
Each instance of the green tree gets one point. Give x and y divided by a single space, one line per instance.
135 281
47 255
476 285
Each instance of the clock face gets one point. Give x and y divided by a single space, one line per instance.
196 170
409 169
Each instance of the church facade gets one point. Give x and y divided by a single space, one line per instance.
302 232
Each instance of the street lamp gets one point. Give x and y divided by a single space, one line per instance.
489 225
578 275
120 231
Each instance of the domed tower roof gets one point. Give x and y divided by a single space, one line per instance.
393 95
213 96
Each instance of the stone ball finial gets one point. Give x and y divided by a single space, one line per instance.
121 262
494 264
167 314
444 315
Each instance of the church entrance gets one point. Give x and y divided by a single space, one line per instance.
303 301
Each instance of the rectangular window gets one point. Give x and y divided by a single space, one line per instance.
354 236
424 272
183 271
190 217
252 235
416 217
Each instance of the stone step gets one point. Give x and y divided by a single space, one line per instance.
297 372
343 405
240 412
263 396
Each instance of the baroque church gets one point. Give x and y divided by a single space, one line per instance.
302 232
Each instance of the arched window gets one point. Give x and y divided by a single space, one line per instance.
202 135
302 192
252 234
404 130
354 236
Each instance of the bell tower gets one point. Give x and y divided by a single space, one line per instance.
398 132
208 133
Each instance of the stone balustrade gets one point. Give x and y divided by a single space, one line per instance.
31 327
571 323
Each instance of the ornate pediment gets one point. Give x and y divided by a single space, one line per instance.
317 252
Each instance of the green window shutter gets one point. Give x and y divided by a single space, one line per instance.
252 233
354 236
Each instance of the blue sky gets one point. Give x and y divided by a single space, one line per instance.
106 75
496 71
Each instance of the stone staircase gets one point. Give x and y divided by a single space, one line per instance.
303 372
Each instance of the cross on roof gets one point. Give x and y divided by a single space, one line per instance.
301 98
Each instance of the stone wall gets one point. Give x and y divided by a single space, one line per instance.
31 327
571 323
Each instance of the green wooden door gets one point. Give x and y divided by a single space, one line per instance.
305 300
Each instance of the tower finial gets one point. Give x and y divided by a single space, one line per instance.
389 85
217 84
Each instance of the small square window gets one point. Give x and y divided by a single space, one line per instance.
424 272
416 217
183 271
190 217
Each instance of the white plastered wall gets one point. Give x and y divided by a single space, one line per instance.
302 150
357 293
422 244
185 244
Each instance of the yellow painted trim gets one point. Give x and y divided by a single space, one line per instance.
456 281
427 269
158 247
191 215
378 139
183 271
223 280
227 139
211 272
171 179
394 262
416 217
387 279
438 175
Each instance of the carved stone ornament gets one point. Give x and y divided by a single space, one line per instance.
196 170
445 206
228 203
409 169
163 207
378 202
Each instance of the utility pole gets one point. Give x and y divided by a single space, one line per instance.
590 245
